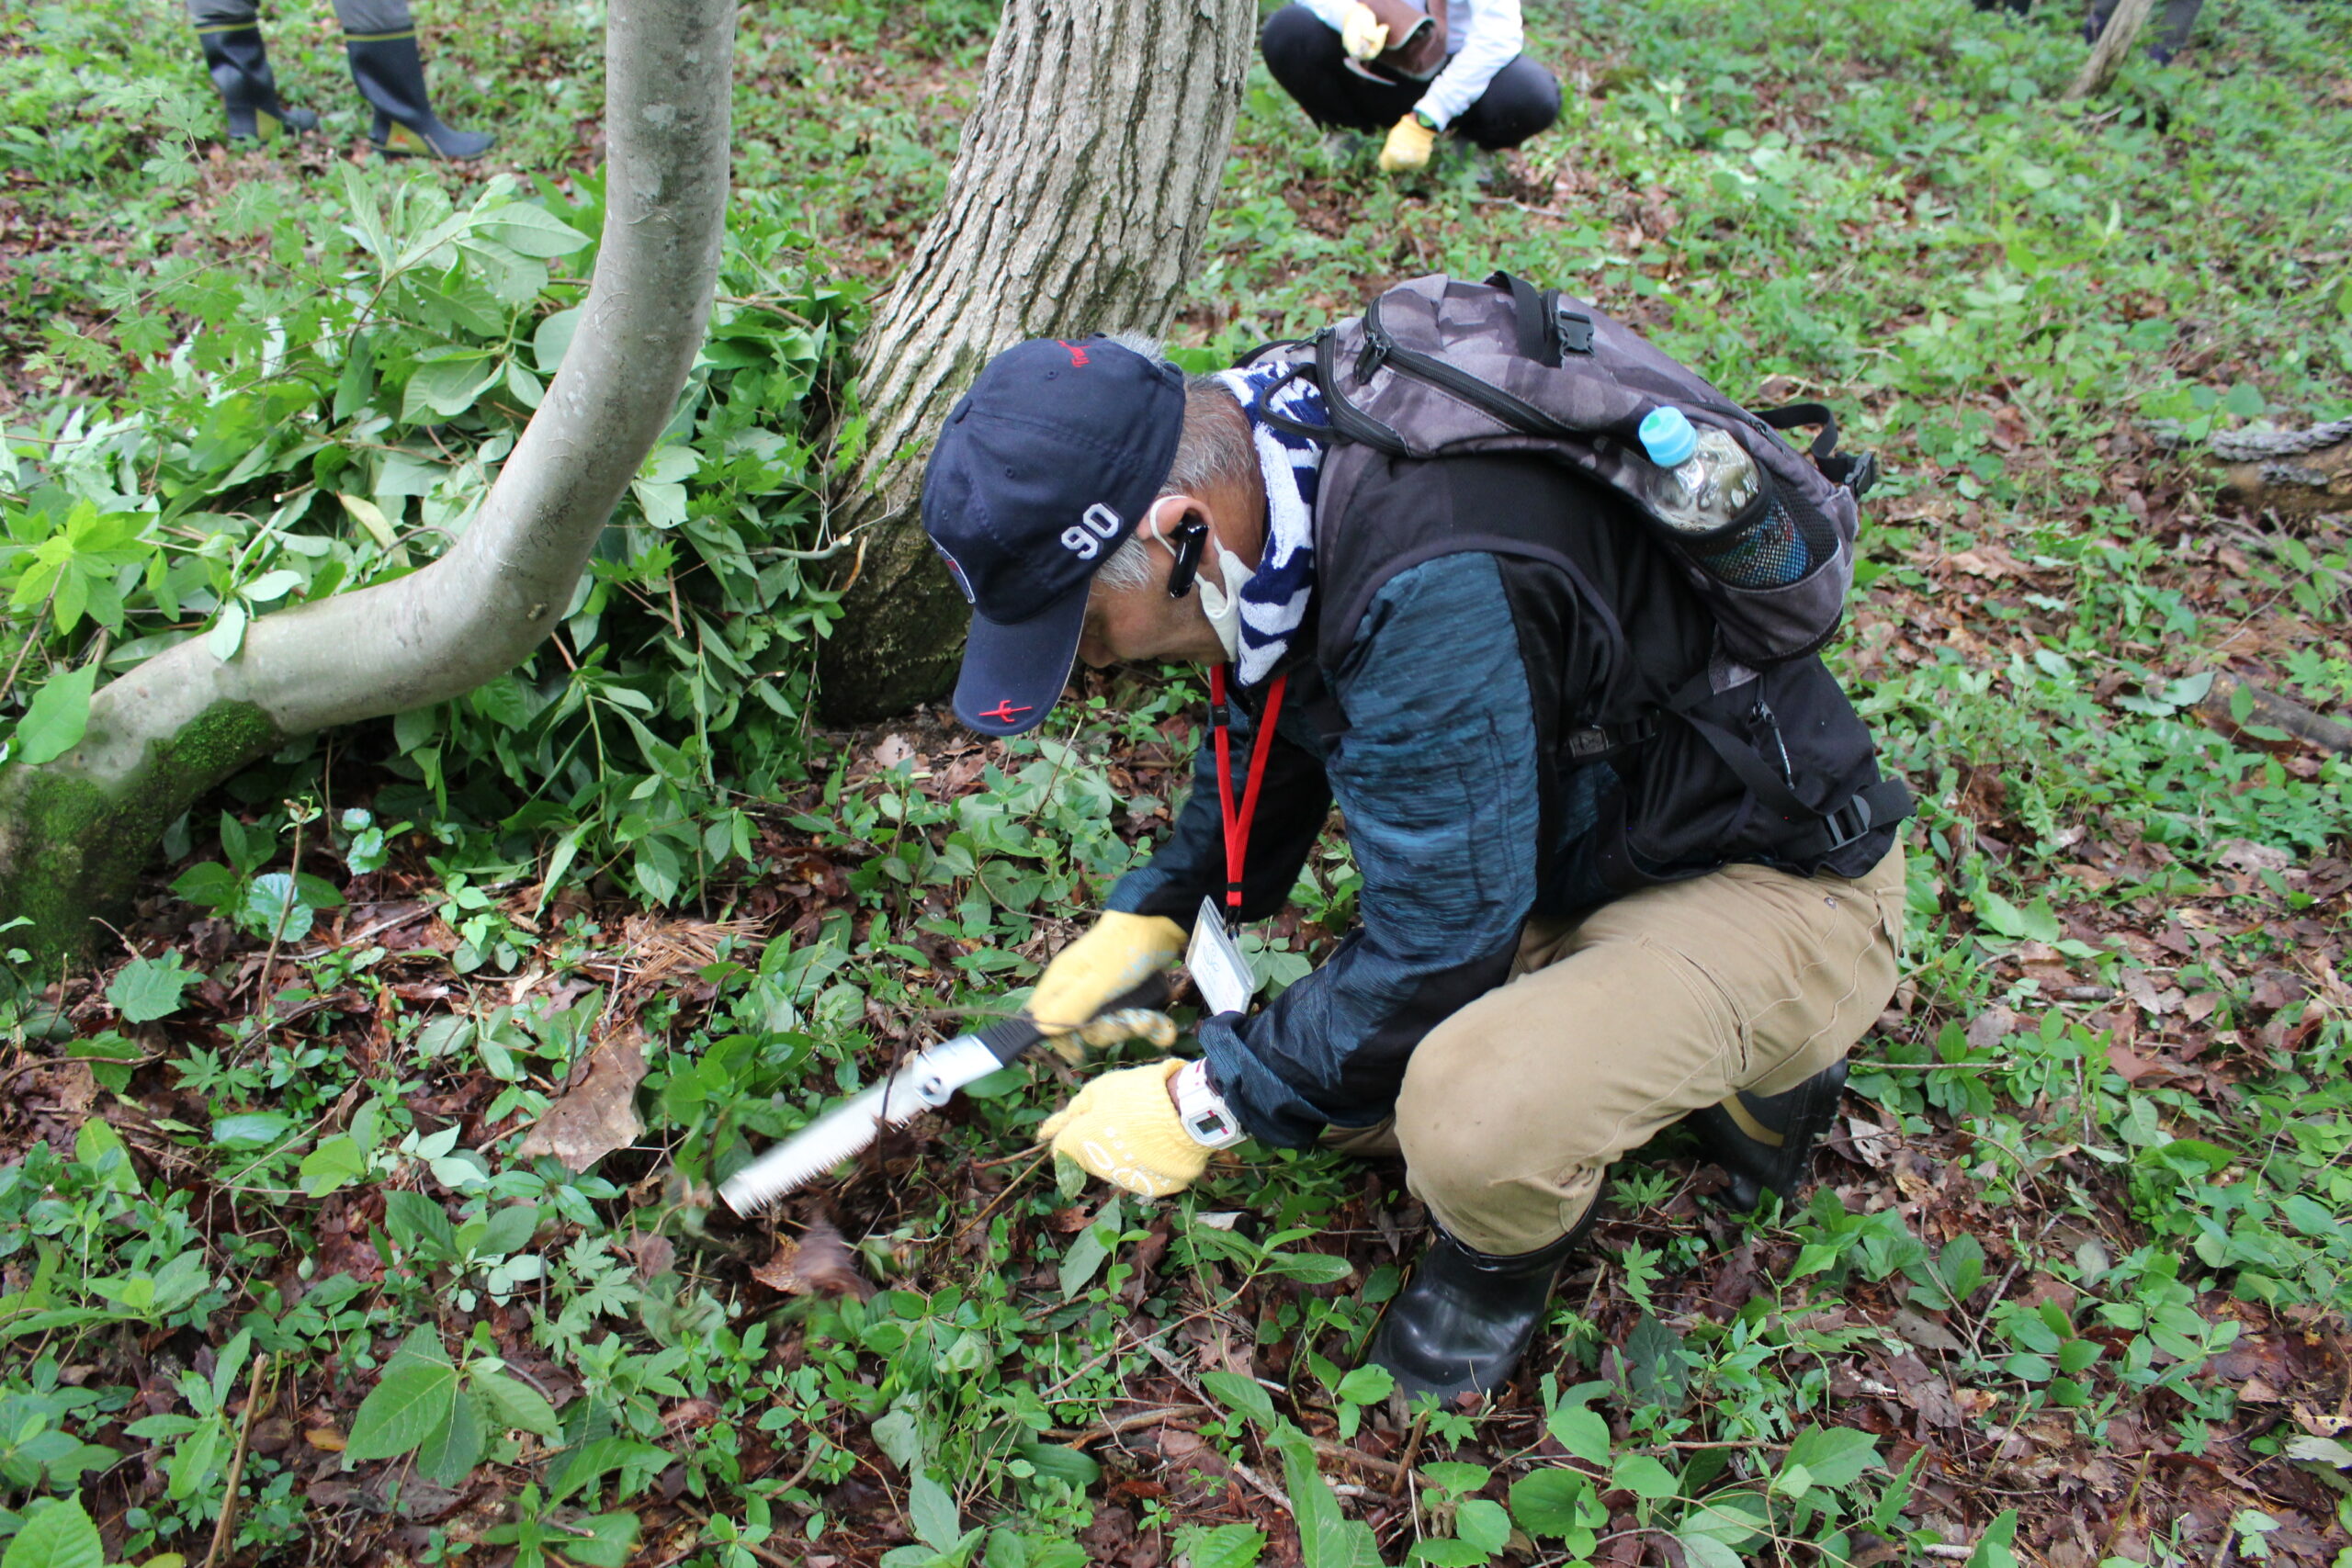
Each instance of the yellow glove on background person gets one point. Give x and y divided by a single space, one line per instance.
1102 967
1409 142
1362 35
1122 1128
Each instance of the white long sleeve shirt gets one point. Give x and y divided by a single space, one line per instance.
1482 37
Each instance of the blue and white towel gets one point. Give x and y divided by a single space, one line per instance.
1273 602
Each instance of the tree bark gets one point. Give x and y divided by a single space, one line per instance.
1077 203
2295 474
2115 41
74 832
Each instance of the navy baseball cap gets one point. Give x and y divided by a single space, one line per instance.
1046 467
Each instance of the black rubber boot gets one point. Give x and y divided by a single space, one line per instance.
240 65
1765 1141
390 74
1462 1321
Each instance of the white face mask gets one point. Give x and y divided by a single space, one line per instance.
1222 605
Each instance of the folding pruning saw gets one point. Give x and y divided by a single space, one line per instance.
924 1082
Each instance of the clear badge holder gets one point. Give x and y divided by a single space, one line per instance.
1219 971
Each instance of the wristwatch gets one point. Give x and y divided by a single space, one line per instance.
1202 1110
1428 121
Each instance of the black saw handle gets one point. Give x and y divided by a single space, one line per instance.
1009 1037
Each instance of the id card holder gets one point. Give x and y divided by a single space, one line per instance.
1219 971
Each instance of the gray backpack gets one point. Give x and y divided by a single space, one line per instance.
1440 367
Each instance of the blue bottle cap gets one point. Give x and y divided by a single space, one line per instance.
1668 438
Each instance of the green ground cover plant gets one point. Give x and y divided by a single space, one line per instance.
360 1194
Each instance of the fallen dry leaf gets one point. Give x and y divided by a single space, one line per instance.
818 1264
598 1113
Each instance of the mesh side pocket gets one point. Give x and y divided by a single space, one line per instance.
1770 552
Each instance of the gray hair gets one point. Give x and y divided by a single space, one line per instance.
1214 449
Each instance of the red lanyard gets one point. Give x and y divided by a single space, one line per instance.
1237 823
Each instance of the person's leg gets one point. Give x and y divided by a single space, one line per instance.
2180 20
230 34
1524 100
379 36
1663 1003
1306 58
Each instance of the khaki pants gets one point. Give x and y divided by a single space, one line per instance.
1625 1022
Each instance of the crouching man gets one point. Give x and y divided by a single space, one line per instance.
1569 938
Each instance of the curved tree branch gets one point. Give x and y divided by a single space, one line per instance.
74 832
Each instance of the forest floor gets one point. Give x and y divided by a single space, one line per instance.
365 1181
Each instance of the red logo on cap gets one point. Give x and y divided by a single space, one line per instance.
1076 354
1003 712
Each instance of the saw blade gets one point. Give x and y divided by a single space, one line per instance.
925 1082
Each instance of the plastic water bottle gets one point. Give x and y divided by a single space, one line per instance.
1704 478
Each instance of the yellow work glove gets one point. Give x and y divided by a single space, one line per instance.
1123 1129
1362 35
1099 968
1409 142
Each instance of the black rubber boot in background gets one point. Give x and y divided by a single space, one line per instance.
240 65
1461 1323
390 74
1764 1143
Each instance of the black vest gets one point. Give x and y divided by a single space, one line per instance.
1708 763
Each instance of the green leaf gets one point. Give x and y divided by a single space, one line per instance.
1550 1501
515 1405
1992 1546
412 1404
510 1231
254 1130
445 388
1996 912
275 909
1310 1268
1240 1394
1706 1551
420 1225
227 633
1441 1552
450 1454
1483 1524
1227 1546
62 1535
532 231
1835 1455
1088 1252
932 1513
335 1163
210 884
611 1543
1455 1477
59 716
1060 1462
1643 1477
1368 1384
148 988
1582 1432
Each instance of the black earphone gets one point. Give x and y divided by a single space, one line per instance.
1190 539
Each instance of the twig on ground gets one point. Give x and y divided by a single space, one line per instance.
1137 1422
224 1531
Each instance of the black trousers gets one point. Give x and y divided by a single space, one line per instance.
1306 57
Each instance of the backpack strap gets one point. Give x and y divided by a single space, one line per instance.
1514 411
1544 327
1817 834
1857 471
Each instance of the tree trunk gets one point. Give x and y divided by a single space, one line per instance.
1077 204
2115 41
2296 474
74 832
